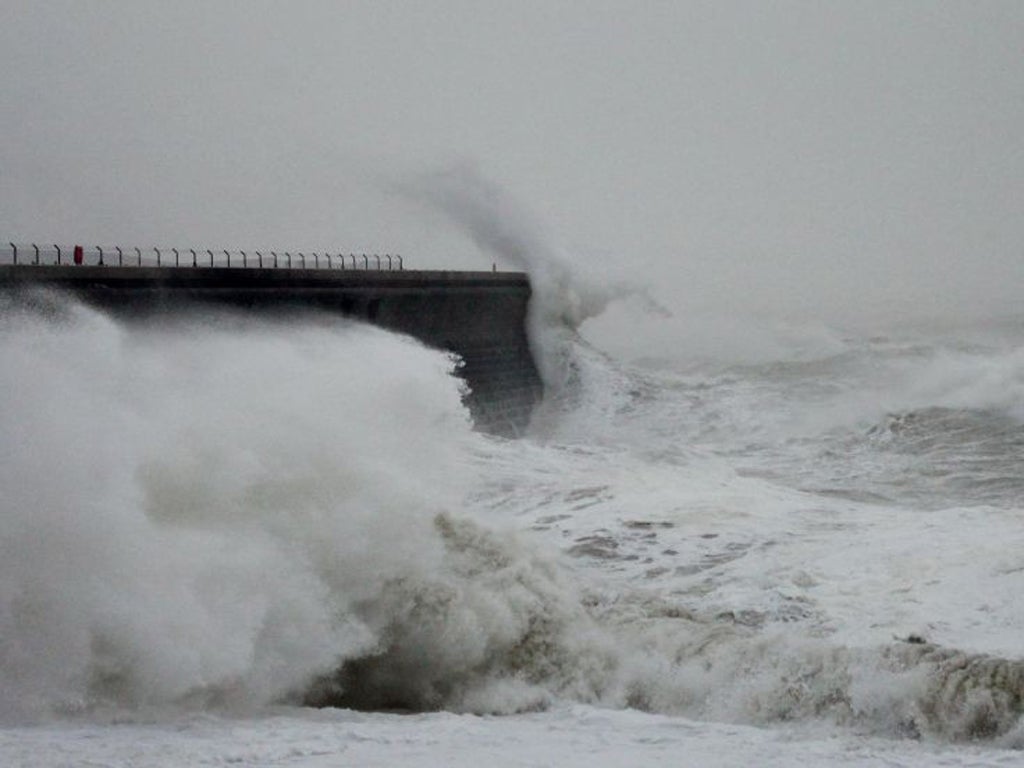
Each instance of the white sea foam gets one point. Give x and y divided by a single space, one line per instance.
228 513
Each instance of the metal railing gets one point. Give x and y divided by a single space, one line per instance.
54 254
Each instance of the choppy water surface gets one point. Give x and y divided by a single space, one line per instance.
215 516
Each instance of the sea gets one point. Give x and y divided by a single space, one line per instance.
232 541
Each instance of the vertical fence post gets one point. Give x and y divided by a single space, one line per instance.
366 262
37 253
401 266
138 257
211 256
101 255
120 256
388 257
259 256
157 255
244 259
57 247
14 248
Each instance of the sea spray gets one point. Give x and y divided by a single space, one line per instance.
189 513
566 291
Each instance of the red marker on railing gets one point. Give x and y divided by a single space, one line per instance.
79 254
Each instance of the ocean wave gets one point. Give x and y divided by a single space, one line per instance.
234 515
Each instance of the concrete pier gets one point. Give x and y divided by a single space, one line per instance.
480 316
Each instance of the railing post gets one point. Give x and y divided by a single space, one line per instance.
227 255
138 256
288 254
274 254
58 253
195 258
37 253
401 266
101 255
366 262
120 256
316 260
14 248
260 257
211 257
388 257
245 261
157 255
303 257
377 257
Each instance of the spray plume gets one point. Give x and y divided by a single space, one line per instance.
565 293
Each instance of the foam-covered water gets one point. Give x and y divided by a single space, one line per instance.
223 516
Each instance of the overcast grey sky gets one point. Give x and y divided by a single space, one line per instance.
773 154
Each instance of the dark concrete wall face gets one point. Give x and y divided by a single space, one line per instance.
479 316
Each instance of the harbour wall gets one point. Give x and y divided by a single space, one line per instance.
479 316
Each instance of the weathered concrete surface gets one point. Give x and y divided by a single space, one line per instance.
478 315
